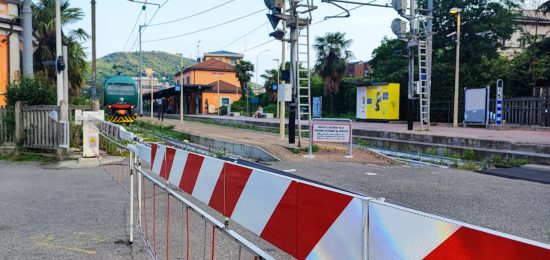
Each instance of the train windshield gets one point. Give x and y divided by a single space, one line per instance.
120 89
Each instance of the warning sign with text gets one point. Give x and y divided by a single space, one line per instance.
333 132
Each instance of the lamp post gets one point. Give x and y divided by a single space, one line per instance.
257 69
278 83
457 12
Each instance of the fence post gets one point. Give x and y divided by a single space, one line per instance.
18 121
63 117
95 105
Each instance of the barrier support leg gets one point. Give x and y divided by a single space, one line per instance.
131 197
139 177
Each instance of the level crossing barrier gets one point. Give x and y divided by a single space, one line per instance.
170 225
305 219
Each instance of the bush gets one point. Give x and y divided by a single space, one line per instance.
80 101
32 91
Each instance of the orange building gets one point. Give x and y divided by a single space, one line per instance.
10 45
220 76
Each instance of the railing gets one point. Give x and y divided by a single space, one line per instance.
303 218
531 111
40 130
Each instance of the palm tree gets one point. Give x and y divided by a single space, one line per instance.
244 73
44 28
270 77
332 54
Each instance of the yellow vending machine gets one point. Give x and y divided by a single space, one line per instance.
379 101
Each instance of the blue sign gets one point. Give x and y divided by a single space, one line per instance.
317 107
255 100
499 102
178 87
274 86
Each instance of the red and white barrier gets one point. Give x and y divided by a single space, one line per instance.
302 219
400 233
309 221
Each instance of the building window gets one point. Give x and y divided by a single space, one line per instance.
3 8
233 62
188 80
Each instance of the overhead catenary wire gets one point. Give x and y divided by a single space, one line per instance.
206 28
132 32
192 15
246 34
264 43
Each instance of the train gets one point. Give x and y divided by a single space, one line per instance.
120 99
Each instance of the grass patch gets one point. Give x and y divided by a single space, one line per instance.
469 166
508 162
26 156
157 129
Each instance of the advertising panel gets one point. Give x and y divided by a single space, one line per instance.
382 102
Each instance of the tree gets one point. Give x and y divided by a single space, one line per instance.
270 78
332 54
44 28
244 74
545 7
529 71
485 26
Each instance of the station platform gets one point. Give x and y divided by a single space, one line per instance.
532 145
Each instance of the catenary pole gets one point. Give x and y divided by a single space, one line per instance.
58 51
27 39
94 38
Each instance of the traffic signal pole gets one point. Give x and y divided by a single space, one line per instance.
282 113
411 48
293 72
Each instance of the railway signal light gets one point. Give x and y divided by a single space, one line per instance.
60 64
399 5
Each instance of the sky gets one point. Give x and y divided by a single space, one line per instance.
116 30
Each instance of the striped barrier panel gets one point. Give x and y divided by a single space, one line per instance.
401 233
304 220
310 221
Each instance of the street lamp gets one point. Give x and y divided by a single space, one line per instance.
278 83
457 12
257 69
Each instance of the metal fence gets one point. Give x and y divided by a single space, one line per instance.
530 111
7 126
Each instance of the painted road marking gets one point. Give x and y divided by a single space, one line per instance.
289 170
371 173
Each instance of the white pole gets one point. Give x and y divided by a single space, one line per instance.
457 71
58 50
66 75
278 83
26 11
219 100
139 189
181 93
131 197
151 84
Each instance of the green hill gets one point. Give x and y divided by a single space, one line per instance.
164 64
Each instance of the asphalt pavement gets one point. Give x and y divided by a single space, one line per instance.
63 214
517 207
